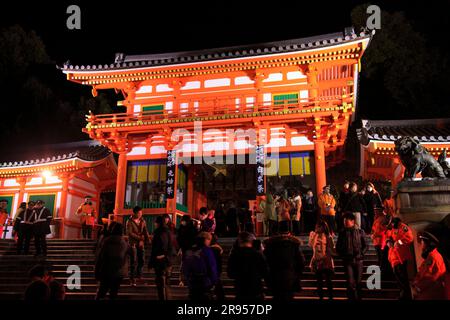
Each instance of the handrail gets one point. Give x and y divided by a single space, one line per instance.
216 109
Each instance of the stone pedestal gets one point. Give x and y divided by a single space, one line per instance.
423 204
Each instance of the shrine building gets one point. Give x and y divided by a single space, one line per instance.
61 175
272 116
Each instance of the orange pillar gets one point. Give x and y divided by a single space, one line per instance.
319 161
120 184
63 205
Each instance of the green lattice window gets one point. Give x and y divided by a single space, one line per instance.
285 98
156 109
49 200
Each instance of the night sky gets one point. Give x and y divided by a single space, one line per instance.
165 26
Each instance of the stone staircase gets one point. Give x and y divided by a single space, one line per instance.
62 253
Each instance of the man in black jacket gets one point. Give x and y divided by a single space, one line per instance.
248 267
286 263
161 255
356 205
41 227
351 246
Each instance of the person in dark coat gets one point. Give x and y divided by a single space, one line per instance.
111 264
309 210
200 269
356 205
248 267
344 196
221 222
232 221
351 247
23 227
162 252
286 263
186 235
373 203
218 252
41 227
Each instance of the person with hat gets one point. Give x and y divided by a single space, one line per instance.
88 216
399 254
136 229
429 282
351 247
286 263
327 204
3 215
41 227
23 226
162 252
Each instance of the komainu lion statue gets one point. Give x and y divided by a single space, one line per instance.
417 159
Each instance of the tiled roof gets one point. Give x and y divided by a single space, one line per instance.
123 61
424 130
84 150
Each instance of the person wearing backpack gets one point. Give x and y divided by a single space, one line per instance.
200 269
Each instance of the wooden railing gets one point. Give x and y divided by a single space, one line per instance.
213 107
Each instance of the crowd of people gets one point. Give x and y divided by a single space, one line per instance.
338 227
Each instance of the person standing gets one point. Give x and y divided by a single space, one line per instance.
87 214
24 227
389 204
186 235
111 263
232 220
3 216
161 256
429 282
379 236
218 253
41 227
356 205
284 209
200 269
309 208
327 204
322 263
270 214
399 254
247 267
137 233
373 204
286 263
344 196
296 208
351 247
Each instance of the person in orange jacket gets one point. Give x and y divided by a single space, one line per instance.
3 216
88 216
327 204
380 234
429 283
399 253
389 204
